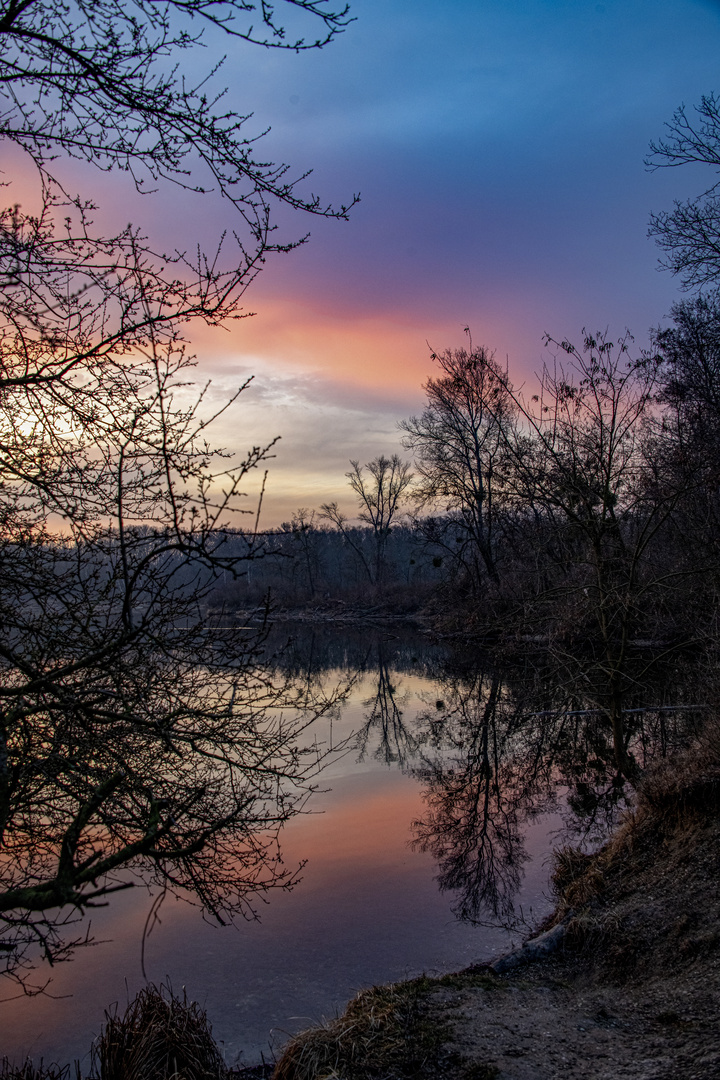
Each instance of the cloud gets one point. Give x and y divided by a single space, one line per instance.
322 420
499 151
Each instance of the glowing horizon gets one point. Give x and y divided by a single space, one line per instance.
499 152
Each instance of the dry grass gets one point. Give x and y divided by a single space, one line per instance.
674 798
684 791
576 877
372 1030
28 1071
627 904
160 1037
381 1034
386 1033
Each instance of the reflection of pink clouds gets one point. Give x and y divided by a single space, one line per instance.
367 829
356 849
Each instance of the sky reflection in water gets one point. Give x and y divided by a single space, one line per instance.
368 909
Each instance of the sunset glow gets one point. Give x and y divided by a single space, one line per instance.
498 150
499 153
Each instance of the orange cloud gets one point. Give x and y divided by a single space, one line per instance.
385 352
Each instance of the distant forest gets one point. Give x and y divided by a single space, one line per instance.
587 509
299 564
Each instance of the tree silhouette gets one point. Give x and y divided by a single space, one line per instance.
135 741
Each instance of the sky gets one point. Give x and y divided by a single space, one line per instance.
498 147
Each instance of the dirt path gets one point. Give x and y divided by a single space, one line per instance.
539 1032
633 992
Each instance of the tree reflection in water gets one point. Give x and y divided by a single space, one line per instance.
472 823
500 748
176 772
221 755
396 743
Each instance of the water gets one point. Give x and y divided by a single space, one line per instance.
437 805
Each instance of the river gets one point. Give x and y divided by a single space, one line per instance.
433 825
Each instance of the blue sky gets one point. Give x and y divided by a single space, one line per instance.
498 148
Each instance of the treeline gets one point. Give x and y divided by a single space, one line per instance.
585 515
582 519
306 562
592 502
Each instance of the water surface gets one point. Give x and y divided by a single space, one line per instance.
437 814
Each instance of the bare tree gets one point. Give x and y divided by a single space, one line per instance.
302 528
686 448
690 352
689 236
136 743
93 81
381 493
583 467
460 442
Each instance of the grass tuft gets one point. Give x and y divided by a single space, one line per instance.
29 1071
159 1037
385 1033
380 1034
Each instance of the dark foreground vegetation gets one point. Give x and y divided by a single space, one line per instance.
632 986
160 1035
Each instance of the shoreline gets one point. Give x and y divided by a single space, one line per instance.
621 980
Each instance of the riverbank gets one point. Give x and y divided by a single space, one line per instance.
632 990
387 612
622 980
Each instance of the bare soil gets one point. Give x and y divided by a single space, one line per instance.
633 991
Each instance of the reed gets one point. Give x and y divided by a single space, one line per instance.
29 1071
160 1037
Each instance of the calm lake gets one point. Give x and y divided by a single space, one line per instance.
438 810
